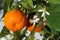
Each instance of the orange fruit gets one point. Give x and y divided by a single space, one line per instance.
30 27
15 20
37 29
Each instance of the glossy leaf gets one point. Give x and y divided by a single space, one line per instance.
54 17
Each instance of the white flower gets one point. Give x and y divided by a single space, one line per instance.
34 6
9 37
47 13
40 10
3 38
31 21
19 5
43 14
35 16
47 1
35 21
38 36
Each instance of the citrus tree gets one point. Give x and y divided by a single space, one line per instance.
31 20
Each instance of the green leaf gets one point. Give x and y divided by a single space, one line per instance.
4 32
54 1
7 5
28 4
32 36
54 17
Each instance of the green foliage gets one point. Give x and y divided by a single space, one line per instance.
4 32
54 1
54 17
28 4
7 5
32 36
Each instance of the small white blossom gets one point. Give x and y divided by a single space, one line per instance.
47 13
9 37
34 6
43 14
47 1
35 16
19 5
38 36
31 21
35 19
3 38
40 10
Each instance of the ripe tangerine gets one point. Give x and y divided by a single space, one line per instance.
15 20
37 29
